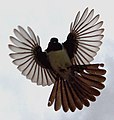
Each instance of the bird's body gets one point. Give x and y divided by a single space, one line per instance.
60 62
66 65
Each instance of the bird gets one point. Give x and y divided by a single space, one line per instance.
67 66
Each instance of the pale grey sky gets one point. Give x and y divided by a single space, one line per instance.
22 100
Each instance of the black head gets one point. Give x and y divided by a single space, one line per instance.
54 45
54 40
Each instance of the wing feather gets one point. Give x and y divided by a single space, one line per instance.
29 58
84 38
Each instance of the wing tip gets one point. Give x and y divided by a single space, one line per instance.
10 47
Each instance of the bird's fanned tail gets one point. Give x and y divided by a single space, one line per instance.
81 88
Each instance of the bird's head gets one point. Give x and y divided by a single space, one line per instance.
54 45
54 40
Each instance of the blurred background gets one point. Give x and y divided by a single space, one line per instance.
20 99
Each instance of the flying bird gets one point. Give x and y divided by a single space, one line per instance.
66 65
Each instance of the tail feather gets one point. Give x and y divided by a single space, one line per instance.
81 88
65 103
94 69
84 87
58 96
77 100
79 91
70 99
92 83
83 92
53 94
94 66
92 77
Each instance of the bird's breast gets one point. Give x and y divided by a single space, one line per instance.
59 61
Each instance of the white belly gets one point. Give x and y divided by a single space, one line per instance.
59 60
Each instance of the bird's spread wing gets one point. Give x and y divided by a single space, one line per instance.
83 41
29 58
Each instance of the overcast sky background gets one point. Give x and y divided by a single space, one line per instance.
22 100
